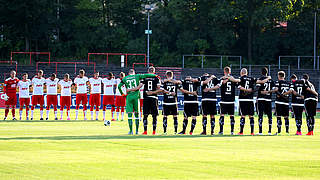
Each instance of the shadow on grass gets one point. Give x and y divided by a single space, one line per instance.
106 137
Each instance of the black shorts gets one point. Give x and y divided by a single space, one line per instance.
227 108
150 106
311 107
191 109
282 110
264 107
209 107
246 108
297 110
170 110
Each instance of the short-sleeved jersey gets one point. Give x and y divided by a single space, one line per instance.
191 87
123 88
228 91
52 86
24 87
95 85
171 87
65 87
38 84
108 86
210 95
267 86
247 83
150 84
81 84
307 94
283 87
10 85
298 87
132 81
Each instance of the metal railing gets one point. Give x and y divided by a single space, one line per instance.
30 54
75 65
298 58
206 55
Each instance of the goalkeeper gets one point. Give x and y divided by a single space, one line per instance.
131 83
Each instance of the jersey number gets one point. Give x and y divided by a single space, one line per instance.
229 86
149 85
171 88
246 86
132 83
190 89
267 87
299 89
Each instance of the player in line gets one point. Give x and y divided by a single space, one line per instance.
24 96
65 98
170 88
151 87
108 96
52 98
131 83
38 84
209 85
95 91
189 88
264 99
310 102
120 99
10 89
81 82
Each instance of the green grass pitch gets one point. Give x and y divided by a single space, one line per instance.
88 150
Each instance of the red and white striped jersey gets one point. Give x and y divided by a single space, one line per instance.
95 85
52 86
37 84
108 86
10 85
24 88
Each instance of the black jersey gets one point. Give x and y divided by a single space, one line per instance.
283 87
297 86
247 83
267 86
190 86
228 91
150 84
307 94
171 87
210 95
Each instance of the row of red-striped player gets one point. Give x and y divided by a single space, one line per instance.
111 95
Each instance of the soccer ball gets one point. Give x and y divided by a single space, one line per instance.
4 97
107 123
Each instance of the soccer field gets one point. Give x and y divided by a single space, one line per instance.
89 150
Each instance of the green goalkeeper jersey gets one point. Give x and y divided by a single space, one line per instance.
132 81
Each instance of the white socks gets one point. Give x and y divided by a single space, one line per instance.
61 114
104 115
91 115
48 114
55 114
32 114
77 112
97 114
117 116
122 115
68 114
41 113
